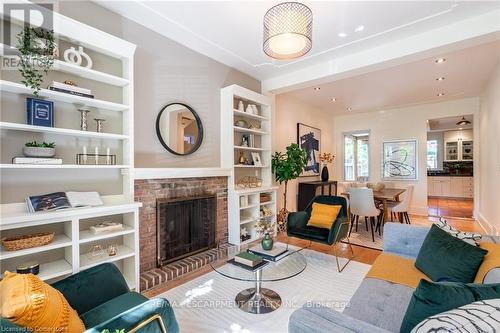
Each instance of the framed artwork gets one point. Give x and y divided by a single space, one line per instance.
309 139
399 160
256 159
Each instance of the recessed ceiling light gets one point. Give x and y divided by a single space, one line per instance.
440 60
440 78
440 94
342 34
316 88
349 109
359 28
333 99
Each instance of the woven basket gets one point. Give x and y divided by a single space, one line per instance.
27 241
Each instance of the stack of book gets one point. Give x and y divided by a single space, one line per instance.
248 261
275 254
36 160
70 89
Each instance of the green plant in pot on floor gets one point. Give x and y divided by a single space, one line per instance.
285 167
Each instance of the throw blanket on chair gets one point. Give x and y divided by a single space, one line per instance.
396 269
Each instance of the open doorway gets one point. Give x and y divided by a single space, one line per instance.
450 171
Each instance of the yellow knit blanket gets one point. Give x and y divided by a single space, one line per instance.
396 269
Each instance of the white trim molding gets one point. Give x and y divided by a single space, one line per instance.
168 173
489 228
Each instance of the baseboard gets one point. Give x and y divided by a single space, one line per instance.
488 228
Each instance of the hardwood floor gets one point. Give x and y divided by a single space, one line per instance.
450 207
361 254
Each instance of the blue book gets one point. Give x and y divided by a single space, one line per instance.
40 112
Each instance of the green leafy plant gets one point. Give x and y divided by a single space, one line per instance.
285 167
40 145
36 47
116 331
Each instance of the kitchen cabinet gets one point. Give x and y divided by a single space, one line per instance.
450 187
458 145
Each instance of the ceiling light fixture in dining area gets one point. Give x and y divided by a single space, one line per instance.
288 31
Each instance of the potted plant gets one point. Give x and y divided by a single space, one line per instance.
325 159
35 149
285 167
37 49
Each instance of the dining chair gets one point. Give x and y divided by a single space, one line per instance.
363 204
399 210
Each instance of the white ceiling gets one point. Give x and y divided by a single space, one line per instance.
449 123
465 71
231 31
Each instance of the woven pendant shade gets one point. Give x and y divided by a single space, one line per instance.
287 31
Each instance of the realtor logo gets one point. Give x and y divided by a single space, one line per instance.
15 17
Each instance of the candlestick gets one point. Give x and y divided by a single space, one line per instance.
96 152
108 158
84 154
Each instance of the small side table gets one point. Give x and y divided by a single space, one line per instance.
308 190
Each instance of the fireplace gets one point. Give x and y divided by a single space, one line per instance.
185 226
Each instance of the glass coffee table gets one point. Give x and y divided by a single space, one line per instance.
259 299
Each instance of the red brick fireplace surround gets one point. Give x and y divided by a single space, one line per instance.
148 191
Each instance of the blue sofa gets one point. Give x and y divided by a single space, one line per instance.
377 306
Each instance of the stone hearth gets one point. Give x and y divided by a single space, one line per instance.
147 191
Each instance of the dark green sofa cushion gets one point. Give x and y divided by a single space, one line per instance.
112 308
444 257
432 298
92 287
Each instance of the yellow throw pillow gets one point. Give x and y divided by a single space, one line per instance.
490 261
27 301
323 216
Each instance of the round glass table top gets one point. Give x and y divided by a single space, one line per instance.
288 266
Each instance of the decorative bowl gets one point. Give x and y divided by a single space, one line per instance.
39 152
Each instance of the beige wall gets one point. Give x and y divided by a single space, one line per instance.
489 170
166 71
403 123
289 112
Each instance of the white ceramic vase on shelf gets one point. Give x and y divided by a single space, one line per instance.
241 107
249 109
255 110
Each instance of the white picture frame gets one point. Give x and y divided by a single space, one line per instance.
256 159
400 159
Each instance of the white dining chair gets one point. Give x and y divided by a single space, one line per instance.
363 204
400 209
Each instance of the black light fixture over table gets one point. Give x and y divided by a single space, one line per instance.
288 31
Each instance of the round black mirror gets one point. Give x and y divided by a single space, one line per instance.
179 129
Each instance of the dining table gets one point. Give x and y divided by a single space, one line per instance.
385 195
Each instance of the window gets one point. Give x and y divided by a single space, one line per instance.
356 156
432 154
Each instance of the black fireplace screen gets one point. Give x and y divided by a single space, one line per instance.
184 227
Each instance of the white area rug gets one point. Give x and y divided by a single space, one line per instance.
206 304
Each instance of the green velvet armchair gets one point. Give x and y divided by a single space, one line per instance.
102 299
297 226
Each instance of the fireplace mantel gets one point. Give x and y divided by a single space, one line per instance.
168 173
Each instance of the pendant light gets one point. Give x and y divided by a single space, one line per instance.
288 31
463 122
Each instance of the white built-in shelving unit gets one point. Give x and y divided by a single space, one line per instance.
246 204
111 80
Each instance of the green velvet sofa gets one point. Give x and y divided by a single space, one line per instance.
103 300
